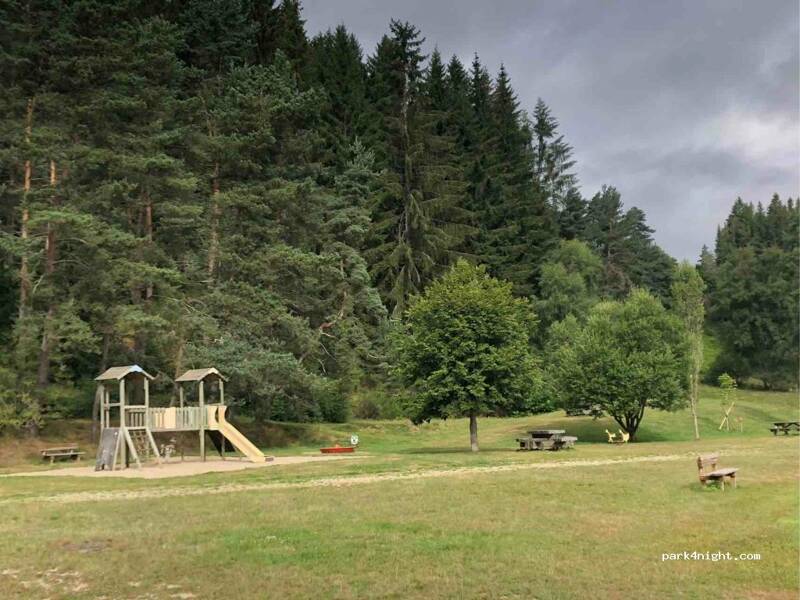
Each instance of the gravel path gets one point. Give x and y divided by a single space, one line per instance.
181 491
191 466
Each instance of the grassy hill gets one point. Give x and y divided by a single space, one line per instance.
416 515
757 409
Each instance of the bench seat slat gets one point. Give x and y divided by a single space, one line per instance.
721 473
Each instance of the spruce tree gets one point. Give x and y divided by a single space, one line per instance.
418 221
336 68
572 216
607 234
754 293
552 157
523 229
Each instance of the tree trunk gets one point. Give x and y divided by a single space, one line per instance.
148 232
216 213
178 368
697 363
97 396
473 432
24 274
43 372
143 291
693 401
630 422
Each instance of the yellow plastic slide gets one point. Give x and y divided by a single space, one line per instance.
234 436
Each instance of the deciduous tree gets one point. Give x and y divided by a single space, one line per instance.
464 350
630 355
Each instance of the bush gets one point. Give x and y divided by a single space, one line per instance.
333 406
63 401
18 408
376 403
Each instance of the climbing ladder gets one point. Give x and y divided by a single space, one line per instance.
141 443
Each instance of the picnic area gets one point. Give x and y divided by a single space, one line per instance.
298 525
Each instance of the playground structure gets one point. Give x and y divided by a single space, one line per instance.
726 421
621 437
135 421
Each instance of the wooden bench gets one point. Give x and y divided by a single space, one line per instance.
785 427
63 452
708 472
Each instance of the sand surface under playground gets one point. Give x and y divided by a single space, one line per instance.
191 465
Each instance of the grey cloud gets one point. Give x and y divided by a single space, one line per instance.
660 99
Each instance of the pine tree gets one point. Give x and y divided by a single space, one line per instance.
336 66
649 266
459 109
195 182
754 293
607 234
522 224
552 157
631 258
435 88
572 216
217 35
418 222
277 28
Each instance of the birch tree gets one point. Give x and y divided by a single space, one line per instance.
688 303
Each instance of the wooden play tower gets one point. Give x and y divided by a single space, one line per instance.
128 422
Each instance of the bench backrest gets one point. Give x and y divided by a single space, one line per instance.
707 462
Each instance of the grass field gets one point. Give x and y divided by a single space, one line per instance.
418 516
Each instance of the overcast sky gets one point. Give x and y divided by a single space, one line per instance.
682 105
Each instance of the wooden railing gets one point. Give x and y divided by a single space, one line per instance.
135 416
189 417
157 418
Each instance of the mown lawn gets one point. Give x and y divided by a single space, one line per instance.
575 530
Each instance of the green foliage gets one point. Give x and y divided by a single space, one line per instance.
377 403
629 356
18 408
418 223
754 294
726 382
552 158
198 183
464 348
624 241
570 282
687 298
688 303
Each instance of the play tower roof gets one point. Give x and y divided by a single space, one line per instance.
200 374
117 373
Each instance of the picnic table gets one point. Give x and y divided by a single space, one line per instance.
546 439
785 427
62 452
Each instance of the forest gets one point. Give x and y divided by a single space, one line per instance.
196 183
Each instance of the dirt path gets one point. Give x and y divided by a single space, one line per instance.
69 498
191 466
